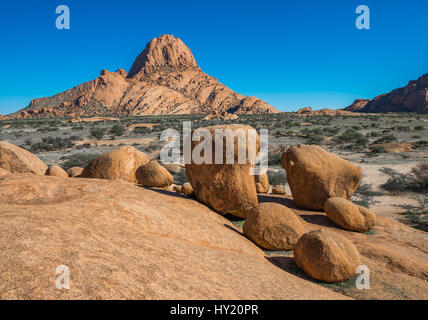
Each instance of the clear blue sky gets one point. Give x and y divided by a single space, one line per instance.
290 53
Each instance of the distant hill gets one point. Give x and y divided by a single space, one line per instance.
164 79
411 98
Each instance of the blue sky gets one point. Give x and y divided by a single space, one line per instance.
290 53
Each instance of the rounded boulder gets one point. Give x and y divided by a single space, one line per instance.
121 163
273 226
153 174
327 256
348 215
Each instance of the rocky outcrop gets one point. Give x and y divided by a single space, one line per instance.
357 105
18 160
121 241
152 174
227 188
164 79
348 215
56 172
273 226
314 175
327 256
121 163
411 98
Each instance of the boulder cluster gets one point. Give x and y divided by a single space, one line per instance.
318 180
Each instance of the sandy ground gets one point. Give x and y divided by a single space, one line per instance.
389 205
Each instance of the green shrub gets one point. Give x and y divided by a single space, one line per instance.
364 195
79 160
117 130
276 177
98 133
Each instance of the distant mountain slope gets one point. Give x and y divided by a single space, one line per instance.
411 98
164 79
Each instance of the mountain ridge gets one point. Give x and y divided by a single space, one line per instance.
164 79
411 98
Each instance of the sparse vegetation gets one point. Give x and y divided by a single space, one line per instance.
78 160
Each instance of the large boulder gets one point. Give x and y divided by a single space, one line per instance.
18 160
74 172
314 175
120 163
152 174
273 226
262 183
327 256
56 172
227 188
348 215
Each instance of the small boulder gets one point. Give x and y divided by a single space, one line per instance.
327 256
314 175
187 189
74 172
273 226
56 172
348 215
18 160
120 163
262 183
279 189
153 174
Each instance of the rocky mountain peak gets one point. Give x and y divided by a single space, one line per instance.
165 51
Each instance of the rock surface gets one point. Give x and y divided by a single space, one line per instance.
327 256
314 175
164 79
348 215
227 188
152 174
121 241
120 163
56 172
273 226
18 160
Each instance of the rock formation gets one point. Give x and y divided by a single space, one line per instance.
164 79
121 241
411 98
314 175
